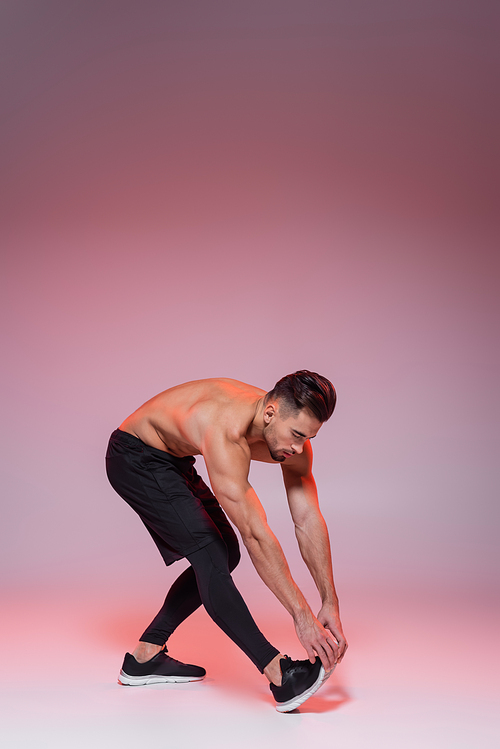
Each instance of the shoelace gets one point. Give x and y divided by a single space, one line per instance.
292 666
164 654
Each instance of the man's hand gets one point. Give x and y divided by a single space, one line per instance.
330 619
316 639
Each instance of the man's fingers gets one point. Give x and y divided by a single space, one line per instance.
332 642
340 641
324 659
323 643
328 654
342 649
321 647
311 654
346 645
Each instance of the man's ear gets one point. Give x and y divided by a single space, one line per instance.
269 413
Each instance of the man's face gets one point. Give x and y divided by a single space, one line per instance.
285 437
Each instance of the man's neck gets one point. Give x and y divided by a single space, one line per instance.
255 429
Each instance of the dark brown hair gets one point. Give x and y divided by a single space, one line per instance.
304 389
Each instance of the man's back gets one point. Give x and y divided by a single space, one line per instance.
176 420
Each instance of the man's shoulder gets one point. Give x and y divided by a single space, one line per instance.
231 389
225 400
217 390
222 407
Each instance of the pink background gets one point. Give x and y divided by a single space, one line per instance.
196 189
193 189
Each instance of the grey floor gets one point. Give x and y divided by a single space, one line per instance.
420 672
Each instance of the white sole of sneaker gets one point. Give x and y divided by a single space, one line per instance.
141 681
285 707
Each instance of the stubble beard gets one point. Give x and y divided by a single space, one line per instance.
272 444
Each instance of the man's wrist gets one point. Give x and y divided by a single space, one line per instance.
330 603
301 611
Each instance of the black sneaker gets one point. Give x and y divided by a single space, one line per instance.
301 679
160 669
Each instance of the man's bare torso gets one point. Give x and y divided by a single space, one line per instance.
177 419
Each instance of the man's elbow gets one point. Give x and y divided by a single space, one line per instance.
307 521
250 535
253 536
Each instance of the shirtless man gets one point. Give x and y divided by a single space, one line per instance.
150 464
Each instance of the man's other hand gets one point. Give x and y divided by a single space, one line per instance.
317 640
330 619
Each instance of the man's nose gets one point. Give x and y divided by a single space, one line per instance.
297 449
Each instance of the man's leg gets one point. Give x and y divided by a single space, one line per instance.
225 605
227 608
181 601
210 573
184 598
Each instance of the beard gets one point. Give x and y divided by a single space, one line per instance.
272 444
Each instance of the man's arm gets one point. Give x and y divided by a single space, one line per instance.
313 539
228 463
